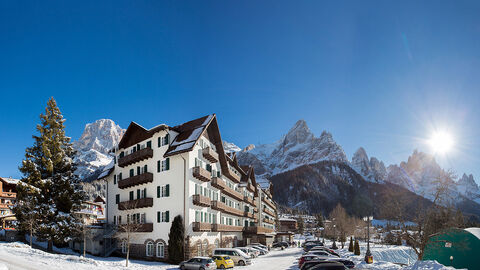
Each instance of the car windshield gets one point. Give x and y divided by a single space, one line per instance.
226 258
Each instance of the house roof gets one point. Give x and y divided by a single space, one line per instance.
136 133
9 180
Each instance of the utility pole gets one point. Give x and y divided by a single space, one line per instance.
368 254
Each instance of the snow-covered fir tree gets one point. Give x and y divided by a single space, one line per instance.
50 182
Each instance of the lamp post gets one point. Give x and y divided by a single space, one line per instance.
451 260
368 254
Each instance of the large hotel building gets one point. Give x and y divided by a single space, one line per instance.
165 171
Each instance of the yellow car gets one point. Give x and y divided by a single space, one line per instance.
223 261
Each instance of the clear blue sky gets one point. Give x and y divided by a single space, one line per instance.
377 74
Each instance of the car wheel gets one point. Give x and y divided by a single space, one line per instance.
182 267
201 268
222 266
241 263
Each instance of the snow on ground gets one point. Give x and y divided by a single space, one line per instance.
277 259
429 265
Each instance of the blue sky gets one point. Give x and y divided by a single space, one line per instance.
377 74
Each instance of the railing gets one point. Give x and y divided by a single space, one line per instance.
201 174
269 221
269 203
218 183
8 194
258 230
226 228
201 227
250 187
217 205
233 193
268 212
201 200
248 214
210 155
133 204
136 180
248 200
137 156
233 211
233 176
143 227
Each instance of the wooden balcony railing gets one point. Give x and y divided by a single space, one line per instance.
226 228
144 227
135 180
269 221
258 230
248 200
218 183
137 156
269 212
201 227
233 176
250 187
210 155
134 204
248 214
201 174
267 201
6 205
233 211
8 194
217 205
232 193
201 200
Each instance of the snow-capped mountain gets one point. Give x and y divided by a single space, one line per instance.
230 147
298 147
94 145
372 170
468 188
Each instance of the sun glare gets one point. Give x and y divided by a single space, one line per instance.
441 142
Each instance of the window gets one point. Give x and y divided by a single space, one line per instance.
160 250
114 220
217 243
204 247
163 216
163 191
124 246
149 249
117 198
131 172
131 195
114 179
163 165
138 194
119 176
149 145
163 140
119 219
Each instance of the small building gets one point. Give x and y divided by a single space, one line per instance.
455 247
287 229
8 198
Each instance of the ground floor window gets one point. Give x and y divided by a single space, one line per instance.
160 250
149 249
124 246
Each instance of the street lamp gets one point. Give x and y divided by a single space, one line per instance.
451 260
368 254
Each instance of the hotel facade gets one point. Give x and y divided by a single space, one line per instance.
183 170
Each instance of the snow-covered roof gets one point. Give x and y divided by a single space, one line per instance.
287 219
474 231
10 180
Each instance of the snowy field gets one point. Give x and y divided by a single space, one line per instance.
20 256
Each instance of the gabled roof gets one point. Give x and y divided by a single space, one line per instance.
188 135
136 133
99 200
9 180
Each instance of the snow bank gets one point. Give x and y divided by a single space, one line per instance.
428 265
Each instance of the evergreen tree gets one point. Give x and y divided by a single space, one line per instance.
300 224
48 169
356 249
176 240
350 246
398 242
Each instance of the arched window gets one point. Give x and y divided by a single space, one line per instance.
149 249
199 248
124 246
205 247
217 243
160 250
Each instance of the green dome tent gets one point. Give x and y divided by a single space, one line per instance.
461 245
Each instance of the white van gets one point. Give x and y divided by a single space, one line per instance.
239 257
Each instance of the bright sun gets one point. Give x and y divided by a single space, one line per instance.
441 142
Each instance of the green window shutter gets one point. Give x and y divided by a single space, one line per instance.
117 198
120 177
158 217
122 154
131 172
158 191
138 170
159 141
167 216
138 193
167 190
131 195
145 168
158 166
167 166
149 144
167 138
114 179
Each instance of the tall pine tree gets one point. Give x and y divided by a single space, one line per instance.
48 169
176 240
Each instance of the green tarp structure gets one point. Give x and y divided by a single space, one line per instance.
463 245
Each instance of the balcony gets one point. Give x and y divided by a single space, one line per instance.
8 194
201 200
258 230
210 155
234 177
269 203
248 200
248 215
144 227
233 211
134 204
136 180
218 183
137 156
250 187
269 221
217 205
233 193
226 228
268 212
201 227
6 205
201 174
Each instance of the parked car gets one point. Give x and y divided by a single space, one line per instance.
281 245
260 245
322 253
322 265
305 258
325 249
307 242
347 263
223 262
308 247
261 250
198 263
238 256
249 251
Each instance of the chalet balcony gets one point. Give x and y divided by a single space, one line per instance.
201 227
134 157
233 193
269 221
248 200
250 187
226 228
269 203
218 183
136 180
210 155
6 205
248 215
201 174
201 200
134 204
144 227
269 212
8 194
234 177
233 211
257 230
217 205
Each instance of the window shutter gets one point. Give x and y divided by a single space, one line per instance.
114 179
117 198
120 177
167 164
145 168
138 193
159 141
167 190
158 217
158 166
167 216
149 144
167 138
131 172
158 191
138 170
131 195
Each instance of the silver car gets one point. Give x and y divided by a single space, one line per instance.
198 263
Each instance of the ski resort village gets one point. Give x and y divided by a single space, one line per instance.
251 135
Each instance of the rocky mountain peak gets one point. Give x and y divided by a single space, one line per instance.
372 170
248 148
299 133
